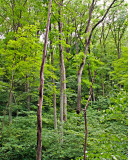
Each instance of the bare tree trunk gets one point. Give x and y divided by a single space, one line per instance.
54 97
53 83
62 72
64 94
102 51
11 97
76 43
61 93
79 77
79 93
62 67
10 106
54 105
93 95
39 111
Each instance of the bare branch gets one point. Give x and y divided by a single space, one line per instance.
90 16
60 4
118 4
24 3
101 20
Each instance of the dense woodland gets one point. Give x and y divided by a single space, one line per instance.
63 79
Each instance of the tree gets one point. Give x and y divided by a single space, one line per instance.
53 82
39 111
87 44
21 58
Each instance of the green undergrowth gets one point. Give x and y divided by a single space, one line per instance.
107 140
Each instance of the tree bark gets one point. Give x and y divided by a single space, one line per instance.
53 83
76 43
61 92
54 96
10 106
63 98
63 71
93 95
39 111
79 77
64 94
11 97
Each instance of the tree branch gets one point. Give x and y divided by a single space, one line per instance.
118 4
24 3
90 15
90 92
100 20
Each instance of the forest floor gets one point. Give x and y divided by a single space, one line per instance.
107 139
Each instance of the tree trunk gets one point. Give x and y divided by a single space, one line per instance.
39 111
61 92
53 83
10 105
76 43
11 97
54 105
93 95
64 94
62 72
54 97
79 77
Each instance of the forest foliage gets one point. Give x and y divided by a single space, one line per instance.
22 32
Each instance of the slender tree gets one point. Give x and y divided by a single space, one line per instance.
10 100
39 111
61 71
63 96
53 83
